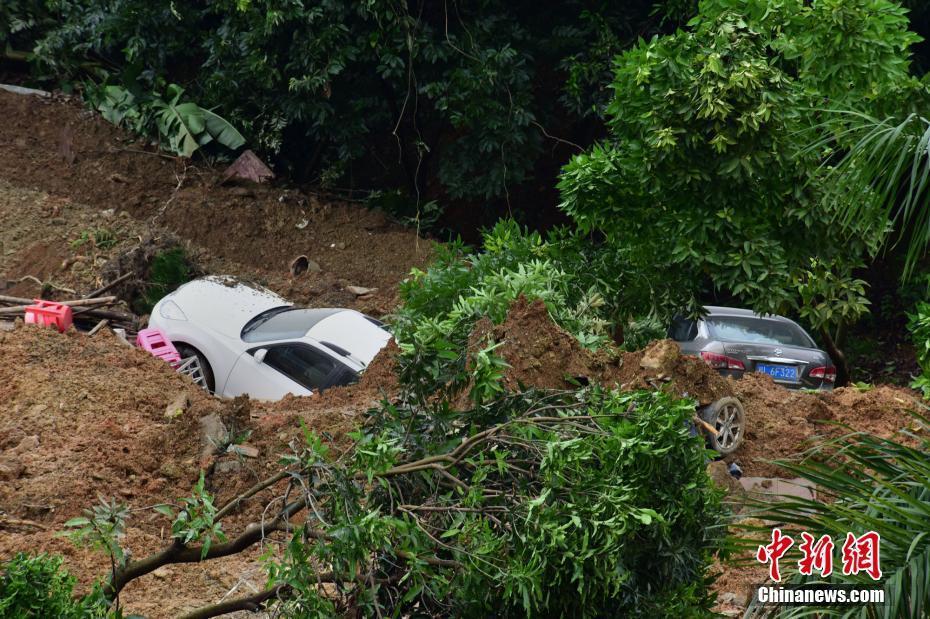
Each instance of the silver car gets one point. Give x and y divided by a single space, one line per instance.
735 341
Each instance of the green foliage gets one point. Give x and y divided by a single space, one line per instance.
706 176
18 18
884 171
591 503
919 327
98 238
865 483
195 520
168 270
381 93
102 527
37 586
181 127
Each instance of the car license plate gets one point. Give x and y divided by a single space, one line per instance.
778 372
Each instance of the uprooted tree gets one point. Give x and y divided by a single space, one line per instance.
537 503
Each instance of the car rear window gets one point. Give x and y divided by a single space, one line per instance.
757 331
284 323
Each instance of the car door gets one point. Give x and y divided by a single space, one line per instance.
290 367
259 380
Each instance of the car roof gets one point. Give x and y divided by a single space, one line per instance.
352 331
719 310
224 304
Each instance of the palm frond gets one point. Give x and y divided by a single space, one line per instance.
884 170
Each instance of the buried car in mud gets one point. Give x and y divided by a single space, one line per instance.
238 338
735 341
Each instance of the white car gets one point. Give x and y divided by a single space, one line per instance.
238 338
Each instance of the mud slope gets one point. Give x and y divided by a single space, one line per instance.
82 417
56 147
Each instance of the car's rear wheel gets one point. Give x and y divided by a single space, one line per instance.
728 418
196 366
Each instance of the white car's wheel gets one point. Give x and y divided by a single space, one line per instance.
196 366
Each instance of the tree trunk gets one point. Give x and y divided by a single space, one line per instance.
839 359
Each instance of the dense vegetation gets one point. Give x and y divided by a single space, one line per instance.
466 100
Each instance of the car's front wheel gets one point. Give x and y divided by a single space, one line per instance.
196 366
728 419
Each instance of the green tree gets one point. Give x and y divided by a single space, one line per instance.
706 170
461 99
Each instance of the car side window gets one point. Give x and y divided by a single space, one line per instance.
309 367
683 329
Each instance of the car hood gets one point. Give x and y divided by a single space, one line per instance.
353 332
224 304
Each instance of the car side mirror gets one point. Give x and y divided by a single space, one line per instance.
260 355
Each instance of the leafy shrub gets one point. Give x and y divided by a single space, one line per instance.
591 503
181 127
37 587
919 327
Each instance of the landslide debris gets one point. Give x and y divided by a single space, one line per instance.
781 423
83 417
543 355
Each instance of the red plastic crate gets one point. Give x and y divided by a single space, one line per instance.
49 314
154 341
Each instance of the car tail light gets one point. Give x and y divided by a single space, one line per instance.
722 362
826 373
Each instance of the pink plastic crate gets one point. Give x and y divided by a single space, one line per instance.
154 341
49 314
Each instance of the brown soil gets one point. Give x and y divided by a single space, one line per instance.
253 231
784 423
84 417
542 355
780 423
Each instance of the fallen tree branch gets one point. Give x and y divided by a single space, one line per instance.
115 282
97 327
178 552
251 603
262 485
22 303
42 284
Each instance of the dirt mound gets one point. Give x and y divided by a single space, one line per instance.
782 423
86 416
542 355
662 366
539 352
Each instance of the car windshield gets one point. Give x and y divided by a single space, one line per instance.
284 323
757 331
